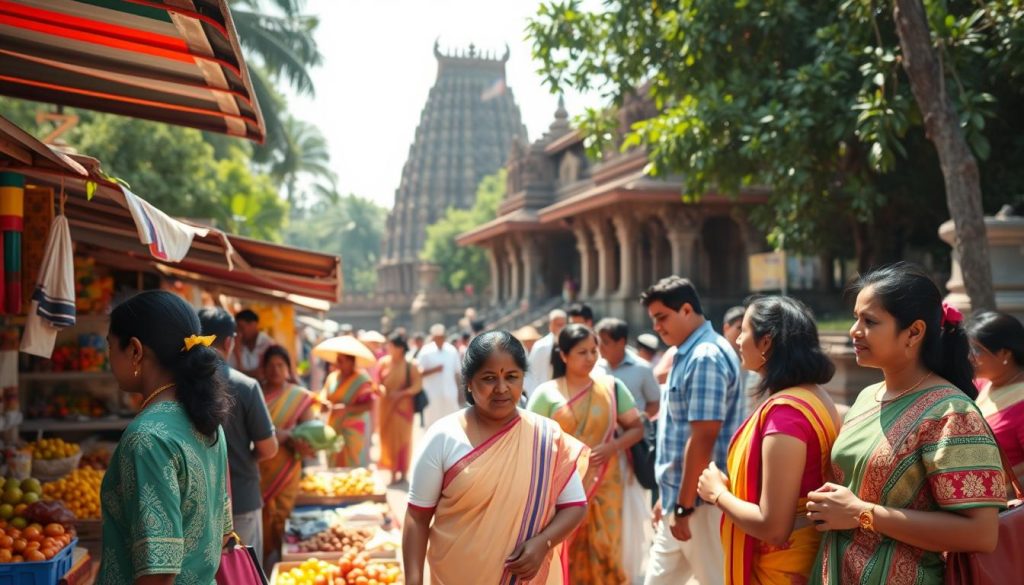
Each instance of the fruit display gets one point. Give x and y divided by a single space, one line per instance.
339 539
64 404
98 459
354 569
17 496
31 543
94 288
353 482
79 491
47 449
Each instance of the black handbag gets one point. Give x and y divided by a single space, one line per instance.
420 400
643 453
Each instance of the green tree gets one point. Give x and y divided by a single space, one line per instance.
808 97
305 155
351 227
280 47
464 265
256 209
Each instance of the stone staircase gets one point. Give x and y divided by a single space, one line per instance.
536 315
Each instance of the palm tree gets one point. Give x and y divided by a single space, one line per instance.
280 48
304 153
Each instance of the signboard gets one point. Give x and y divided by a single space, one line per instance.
767 271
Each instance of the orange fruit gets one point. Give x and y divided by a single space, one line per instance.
53 530
34 556
17 559
5 556
6 542
19 545
49 553
32 533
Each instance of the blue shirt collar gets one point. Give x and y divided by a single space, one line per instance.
694 338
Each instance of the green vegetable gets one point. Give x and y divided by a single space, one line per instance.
319 436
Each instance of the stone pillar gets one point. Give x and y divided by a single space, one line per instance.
496 280
682 244
603 243
532 281
658 251
515 275
586 267
626 236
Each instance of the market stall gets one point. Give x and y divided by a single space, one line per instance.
63 399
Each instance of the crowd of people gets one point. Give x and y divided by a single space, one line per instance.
531 466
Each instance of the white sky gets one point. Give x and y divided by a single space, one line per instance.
379 66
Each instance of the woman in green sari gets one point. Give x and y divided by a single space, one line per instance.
165 499
917 472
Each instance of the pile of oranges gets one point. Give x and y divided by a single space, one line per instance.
34 543
52 449
79 492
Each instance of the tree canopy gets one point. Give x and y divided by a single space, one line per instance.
809 98
463 266
351 227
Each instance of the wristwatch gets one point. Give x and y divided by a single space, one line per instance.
866 518
682 511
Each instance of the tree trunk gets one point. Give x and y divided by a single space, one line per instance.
959 167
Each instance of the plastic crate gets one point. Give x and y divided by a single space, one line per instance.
39 573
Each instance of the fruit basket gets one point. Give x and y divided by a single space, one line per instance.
340 486
340 540
39 572
349 569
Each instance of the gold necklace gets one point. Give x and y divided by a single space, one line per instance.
1010 383
155 393
900 395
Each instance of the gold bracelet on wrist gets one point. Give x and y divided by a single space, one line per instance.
718 496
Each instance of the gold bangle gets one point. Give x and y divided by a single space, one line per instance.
718 497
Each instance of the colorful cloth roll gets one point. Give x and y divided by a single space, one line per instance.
12 214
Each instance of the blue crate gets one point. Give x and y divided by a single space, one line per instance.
39 573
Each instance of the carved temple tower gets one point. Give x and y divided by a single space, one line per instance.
465 130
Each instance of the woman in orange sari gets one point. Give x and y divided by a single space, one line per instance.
289 404
495 489
780 453
350 391
399 382
592 410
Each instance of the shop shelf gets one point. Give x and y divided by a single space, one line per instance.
63 376
33 425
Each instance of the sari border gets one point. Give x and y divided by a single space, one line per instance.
477 451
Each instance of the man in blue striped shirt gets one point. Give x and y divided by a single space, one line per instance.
701 408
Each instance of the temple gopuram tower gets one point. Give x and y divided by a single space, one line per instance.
465 130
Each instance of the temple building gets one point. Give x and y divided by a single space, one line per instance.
465 130
608 230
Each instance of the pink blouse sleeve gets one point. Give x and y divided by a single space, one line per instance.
787 420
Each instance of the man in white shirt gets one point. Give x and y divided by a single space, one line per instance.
252 343
540 354
622 363
439 364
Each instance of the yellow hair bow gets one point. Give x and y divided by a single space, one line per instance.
194 340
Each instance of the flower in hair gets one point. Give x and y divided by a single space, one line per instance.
194 340
951 315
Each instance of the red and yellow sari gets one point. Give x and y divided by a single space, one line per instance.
354 428
595 550
748 560
504 490
280 475
396 420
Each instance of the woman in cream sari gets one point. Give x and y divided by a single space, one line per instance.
780 453
592 409
495 490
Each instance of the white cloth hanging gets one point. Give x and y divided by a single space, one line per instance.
53 301
167 238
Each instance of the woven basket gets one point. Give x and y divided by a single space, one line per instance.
47 470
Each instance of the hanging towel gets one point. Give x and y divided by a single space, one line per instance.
167 238
53 301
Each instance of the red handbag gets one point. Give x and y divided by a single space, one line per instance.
239 565
1003 565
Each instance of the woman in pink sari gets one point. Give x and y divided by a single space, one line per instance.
997 350
495 489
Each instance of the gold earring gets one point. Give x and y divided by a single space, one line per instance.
1006 362
137 371
764 358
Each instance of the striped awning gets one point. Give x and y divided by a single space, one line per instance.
173 61
105 225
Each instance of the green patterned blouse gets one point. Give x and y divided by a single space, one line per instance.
165 501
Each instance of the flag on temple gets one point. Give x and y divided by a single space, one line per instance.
496 89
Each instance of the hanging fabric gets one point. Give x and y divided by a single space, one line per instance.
12 213
53 302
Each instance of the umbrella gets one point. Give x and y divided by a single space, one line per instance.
346 345
372 337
